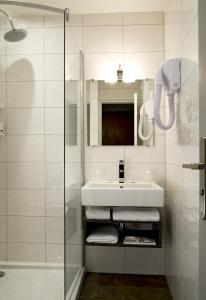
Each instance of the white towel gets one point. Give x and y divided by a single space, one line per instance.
103 234
136 214
98 213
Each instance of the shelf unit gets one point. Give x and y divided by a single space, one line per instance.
134 228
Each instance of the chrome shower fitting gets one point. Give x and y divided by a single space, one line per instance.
13 35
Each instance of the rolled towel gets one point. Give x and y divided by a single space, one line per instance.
104 235
98 213
136 214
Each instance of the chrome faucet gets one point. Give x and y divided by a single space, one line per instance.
121 171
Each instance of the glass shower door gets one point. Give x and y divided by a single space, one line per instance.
73 162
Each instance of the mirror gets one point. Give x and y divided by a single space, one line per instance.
113 113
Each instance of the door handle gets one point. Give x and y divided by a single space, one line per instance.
201 167
198 166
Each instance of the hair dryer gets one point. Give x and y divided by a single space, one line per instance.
169 77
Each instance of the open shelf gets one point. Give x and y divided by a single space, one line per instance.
149 229
116 222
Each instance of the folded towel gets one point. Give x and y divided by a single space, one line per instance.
136 240
98 213
136 214
103 234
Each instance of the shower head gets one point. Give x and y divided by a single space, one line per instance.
13 35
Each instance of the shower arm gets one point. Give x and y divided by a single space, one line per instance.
9 18
36 6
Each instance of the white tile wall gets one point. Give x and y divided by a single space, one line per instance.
25 148
2 150
142 65
72 66
143 18
2 94
54 253
3 229
31 153
134 40
54 121
140 38
3 175
35 118
54 229
2 252
26 202
102 39
33 44
31 66
54 67
105 68
3 204
54 94
102 19
29 21
25 121
74 35
74 232
26 229
104 44
54 40
2 68
25 252
54 203
25 94
54 175
53 21
182 146
54 148
25 175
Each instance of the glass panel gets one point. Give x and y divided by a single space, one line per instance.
73 168
32 165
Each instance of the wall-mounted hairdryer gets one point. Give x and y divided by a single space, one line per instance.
169 78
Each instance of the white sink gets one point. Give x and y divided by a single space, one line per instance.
111 193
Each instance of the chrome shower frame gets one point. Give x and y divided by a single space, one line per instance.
38 6
65 12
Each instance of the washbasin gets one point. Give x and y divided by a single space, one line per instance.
111 193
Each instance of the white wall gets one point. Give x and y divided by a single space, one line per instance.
136 41
3 234
32 222
32 152
182 146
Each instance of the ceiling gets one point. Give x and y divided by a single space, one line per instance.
98 6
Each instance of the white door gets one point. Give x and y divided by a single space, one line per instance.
201 165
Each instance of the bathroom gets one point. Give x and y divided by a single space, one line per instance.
102 150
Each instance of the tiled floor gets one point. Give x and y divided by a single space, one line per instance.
124 287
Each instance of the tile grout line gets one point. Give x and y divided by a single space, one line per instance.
44 57
6 95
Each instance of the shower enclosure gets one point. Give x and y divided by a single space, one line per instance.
40 153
